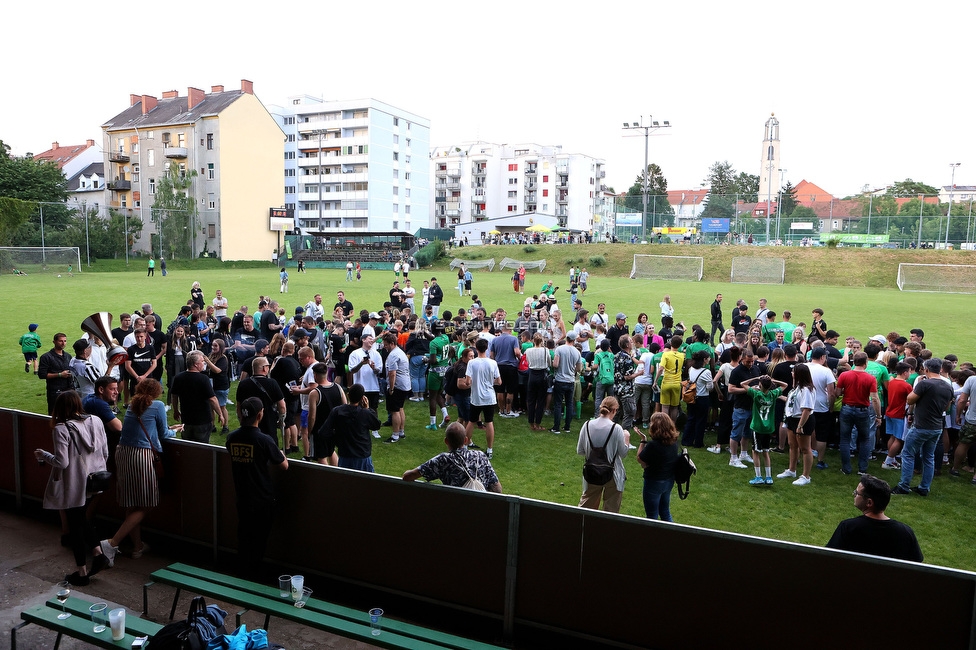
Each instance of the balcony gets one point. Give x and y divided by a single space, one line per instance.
453 213
531 171
454 173
530 185
478 171
118 157
174 152
562 198
453 186
120 186
440 199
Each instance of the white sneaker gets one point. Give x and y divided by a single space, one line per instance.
803 480
744 457
735 462
376 434
715 449
787 474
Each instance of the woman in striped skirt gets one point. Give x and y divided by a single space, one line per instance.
138 488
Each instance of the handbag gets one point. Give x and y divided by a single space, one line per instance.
683 471
97 482
201 626
158 469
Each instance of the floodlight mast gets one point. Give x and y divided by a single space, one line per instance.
651 125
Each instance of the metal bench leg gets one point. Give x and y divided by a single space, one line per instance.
267 621
13 634
57 642
176 598
145 598
237 617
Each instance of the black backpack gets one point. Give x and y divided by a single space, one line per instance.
202 624
450 381
683 471
598 469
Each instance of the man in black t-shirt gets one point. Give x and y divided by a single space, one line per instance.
265 389
251 452
742 409
927 403
141 361
342 302
193 400
874 533
741 321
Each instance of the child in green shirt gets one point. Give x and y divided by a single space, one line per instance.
30 343
763 422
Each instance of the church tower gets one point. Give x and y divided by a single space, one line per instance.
770 163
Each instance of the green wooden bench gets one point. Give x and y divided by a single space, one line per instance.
317 613
79 625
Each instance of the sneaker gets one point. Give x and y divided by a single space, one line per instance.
735 462
778 450
108 551
945 459
769 480
489 453
26 367
845 472
900 490
953 472
815 454
920 492
446 421
787 474
230 403
566 431
138 554
631 447
431 427
715 449
376 434
224 430
745 458
822 465
757 480
860 473
391 440
473 446
894 465
803 480
555 430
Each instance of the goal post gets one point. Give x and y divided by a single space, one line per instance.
667 267
759 270
474 264
509 263
937 278
38 259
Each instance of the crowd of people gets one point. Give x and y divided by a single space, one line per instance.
313 383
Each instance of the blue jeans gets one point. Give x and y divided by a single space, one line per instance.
361 464
418 374
562 390
740 424
657 499
859 417
918 441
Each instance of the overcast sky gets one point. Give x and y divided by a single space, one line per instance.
867 93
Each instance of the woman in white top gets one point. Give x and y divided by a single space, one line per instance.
666 308
701 374
728 341
597 433
800 403
546 325
538 386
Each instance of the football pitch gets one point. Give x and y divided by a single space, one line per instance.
542 465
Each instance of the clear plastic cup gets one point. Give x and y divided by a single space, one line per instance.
284 586
375 621
99 617
303 597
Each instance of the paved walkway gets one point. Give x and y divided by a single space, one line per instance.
32 561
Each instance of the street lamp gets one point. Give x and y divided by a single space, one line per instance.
651 125
779 203
952 185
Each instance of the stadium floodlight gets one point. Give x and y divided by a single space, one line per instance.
650 126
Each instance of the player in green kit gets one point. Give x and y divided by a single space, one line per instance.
763 422
441 356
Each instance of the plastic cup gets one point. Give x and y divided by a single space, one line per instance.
297 584
99 617
284 586
303 597
375 621
116 618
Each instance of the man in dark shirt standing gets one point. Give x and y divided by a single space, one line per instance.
193 399
742 409
741 321
347 430
927 404
342 302
617 330
716 319
265 389
874 533
251 452
55 368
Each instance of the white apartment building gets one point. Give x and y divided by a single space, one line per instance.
482 180
354 165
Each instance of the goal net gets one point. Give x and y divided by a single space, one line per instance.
509 263
759 270
667 267
474 264
47 259
941 278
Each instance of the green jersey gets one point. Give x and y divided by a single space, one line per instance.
440 349
30 342
695 347
764 409
769 332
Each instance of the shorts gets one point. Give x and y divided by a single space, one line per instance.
374 399
740 423
809 427
671 395
762 442
396 399
305 418
824 424
896 427
222 396
30 356
486 413
435 382
463 404
509 375
967 434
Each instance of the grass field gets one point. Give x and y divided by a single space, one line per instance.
545 466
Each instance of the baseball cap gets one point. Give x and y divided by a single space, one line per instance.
299 310
880 338
621 316
32 326
80 345
571 335
251 407
373 315
260 344
818 353
299 332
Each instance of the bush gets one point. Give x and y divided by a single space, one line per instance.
529 249
573 261
430 253
597 260
832 242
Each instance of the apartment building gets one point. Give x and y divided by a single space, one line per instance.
354 165
482 180
233 143
83 168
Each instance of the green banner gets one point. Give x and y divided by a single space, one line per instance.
854 238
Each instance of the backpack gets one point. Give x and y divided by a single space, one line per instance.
689 391
683 471
598 469
472 483
450 381
605 369
202 624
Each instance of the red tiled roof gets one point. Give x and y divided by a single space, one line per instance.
808 194
61 155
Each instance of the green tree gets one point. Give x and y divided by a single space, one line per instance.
908 187
175 213
788 201
659 210
40 182
747 187
14 213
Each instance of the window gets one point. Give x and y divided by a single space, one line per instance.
135 147
513 181
289 120
406 192
406 176
396 208
396 121
406 209
289 155
124 204
513 194
512 208
396 173
291 137
396 225
135 173
513 167
408 158
211 230
545 207
211 202
137 203
289 172
182 170
289 189
545 179
396 139
150 135
545 192
396 191
408 126
396 156
180 139
152 185
151 158
212 173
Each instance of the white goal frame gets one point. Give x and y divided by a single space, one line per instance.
509 263
758 270
939 283
474 264
40 259
669 262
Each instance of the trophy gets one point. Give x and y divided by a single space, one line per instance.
99 325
